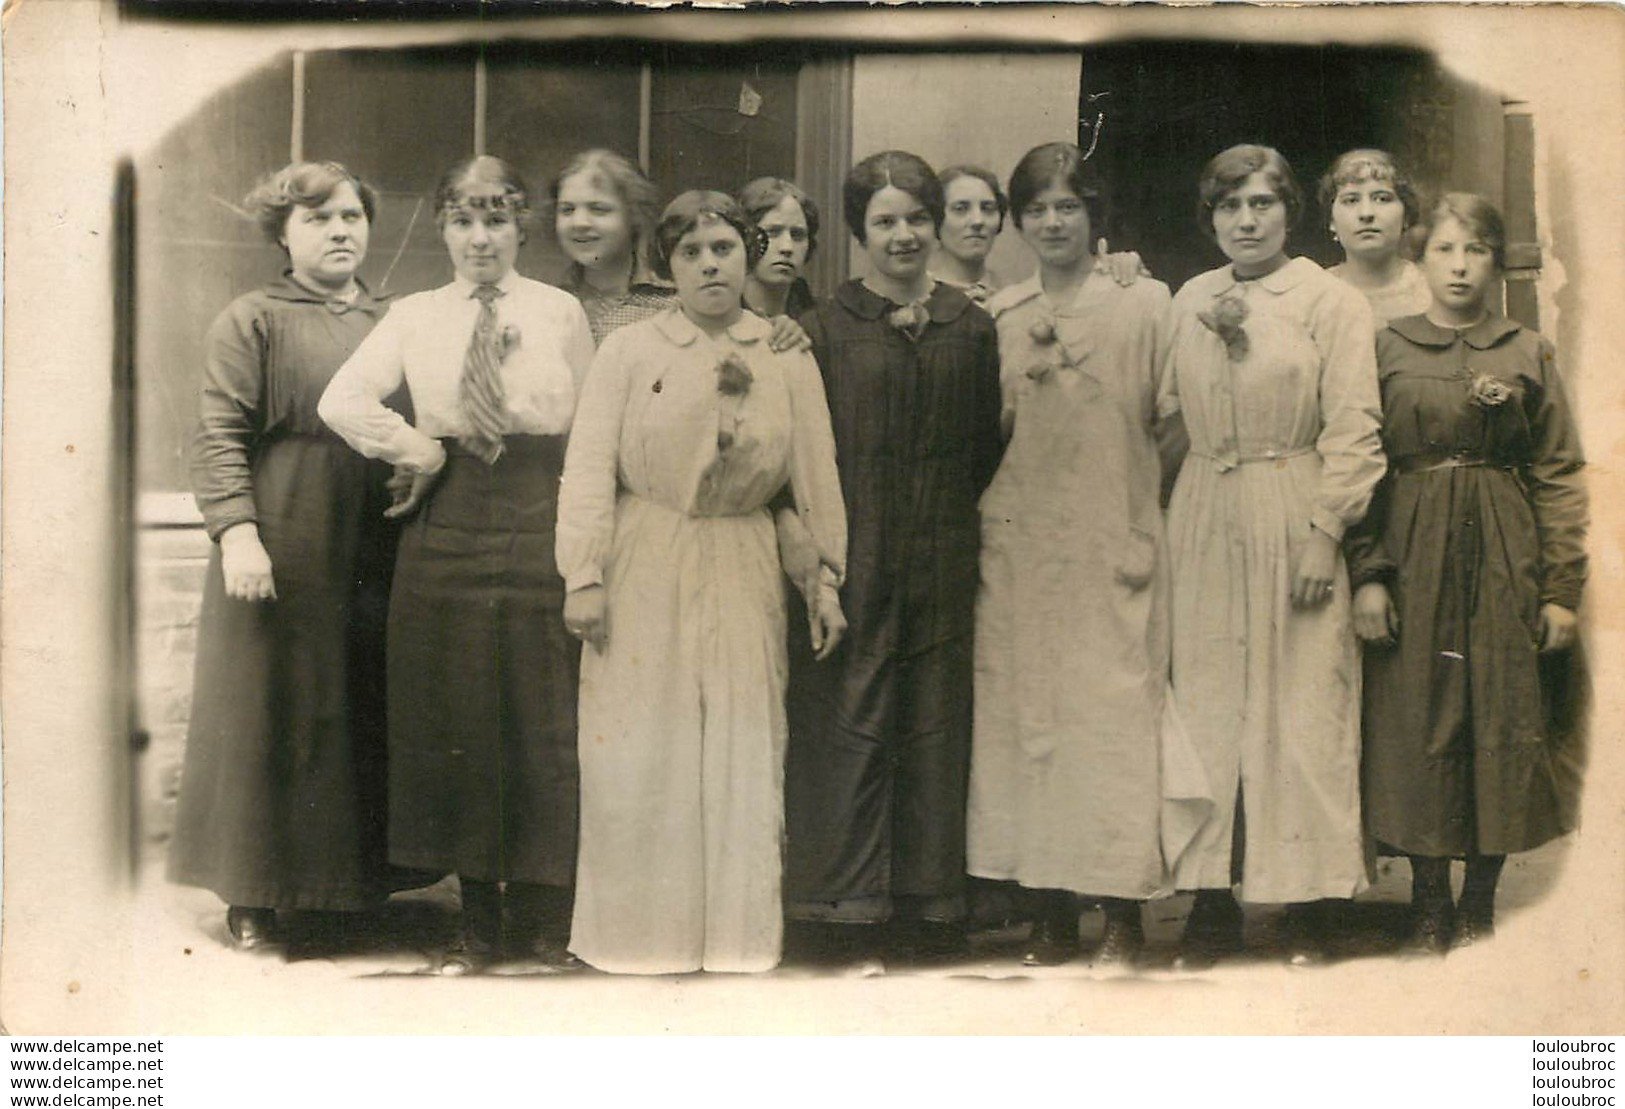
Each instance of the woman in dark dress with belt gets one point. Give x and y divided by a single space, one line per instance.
1467 569
482 676
282 790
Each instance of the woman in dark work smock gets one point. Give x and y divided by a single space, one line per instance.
1469 566
282 789
880 731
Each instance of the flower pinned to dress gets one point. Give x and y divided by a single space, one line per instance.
508 341
910 319
1043 334
1487 391
733 376
1225 321
733 384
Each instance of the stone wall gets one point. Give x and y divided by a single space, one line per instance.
170 565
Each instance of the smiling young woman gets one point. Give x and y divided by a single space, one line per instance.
880 731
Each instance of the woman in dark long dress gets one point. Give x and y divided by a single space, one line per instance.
482 676
880 731
1468 568
282 790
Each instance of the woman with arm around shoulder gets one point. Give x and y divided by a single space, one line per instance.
282 789
1372 207
1072 617
1274 371
689 425
1470 565
482 677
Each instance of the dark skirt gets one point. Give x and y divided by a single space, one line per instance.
282 798
483 676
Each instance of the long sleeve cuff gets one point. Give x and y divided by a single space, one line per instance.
1324 521
222 515
410 447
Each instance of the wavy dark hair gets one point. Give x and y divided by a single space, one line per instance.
1059 163
684 214
899 169
1227 170
490 171
764 194
301 185
1374 165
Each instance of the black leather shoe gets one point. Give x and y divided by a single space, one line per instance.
250 928
467 955
554 955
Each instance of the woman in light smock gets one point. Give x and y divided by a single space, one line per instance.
1274 370
1372 206
689 425
482 677
1072 616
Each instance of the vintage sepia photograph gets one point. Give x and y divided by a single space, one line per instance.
812 519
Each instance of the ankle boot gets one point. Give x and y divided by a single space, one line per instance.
1123 938
1475 915
1433 917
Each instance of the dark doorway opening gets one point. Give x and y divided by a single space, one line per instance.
1170 106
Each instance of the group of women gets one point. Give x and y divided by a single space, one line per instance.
884 611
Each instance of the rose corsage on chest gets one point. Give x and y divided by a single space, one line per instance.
1044 336
1488 392
1225 321
734 380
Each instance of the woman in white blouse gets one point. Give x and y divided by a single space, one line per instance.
689 424
482 677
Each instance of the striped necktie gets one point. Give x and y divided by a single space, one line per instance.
481 388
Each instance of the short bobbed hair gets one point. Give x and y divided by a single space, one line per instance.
985 176
1228 169
899 169
1059 163
687 212
764 194
1477 214
623 177
1372 165
302 185
487 182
